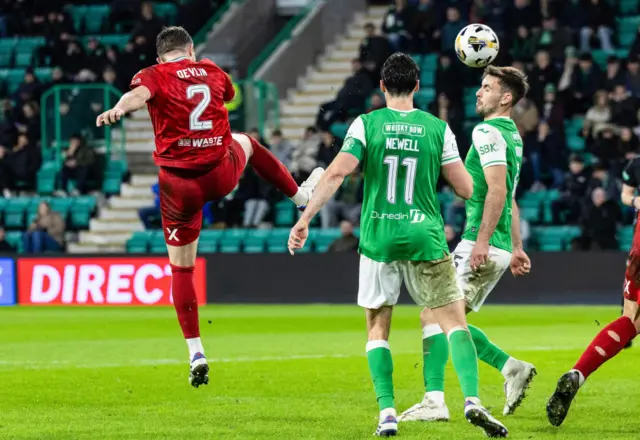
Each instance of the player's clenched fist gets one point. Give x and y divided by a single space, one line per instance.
479 255
109 117
298 236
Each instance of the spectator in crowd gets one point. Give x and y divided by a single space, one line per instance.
450 29
628 143
396 25
255 195
19 166
46 233
150 216
5 246
255 133
446 110
29 90
615 74
604 146
327 150
96 56
123 13
598 115
374 48
634 51
424 24
601 177
449 76
623 109
543 73
30 122
585 82
568 207
600 21
599 222
303 160
553 112
522 13
547 155
282 148
377 102
351 98
347 242
526 117
632 77
347 203
554 39
78 164
148 27
452 237
523 46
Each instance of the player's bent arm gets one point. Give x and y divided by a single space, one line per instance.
133 100
459 178
628 195
496 177
516 240
341 167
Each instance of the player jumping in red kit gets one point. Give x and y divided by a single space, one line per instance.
617 334
199 160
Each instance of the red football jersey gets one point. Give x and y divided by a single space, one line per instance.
190 122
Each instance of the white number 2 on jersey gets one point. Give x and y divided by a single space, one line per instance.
195 123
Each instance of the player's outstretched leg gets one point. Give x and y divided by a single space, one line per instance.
607 344
267 166
381 368
517 374
451 318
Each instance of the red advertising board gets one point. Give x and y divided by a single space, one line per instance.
100 281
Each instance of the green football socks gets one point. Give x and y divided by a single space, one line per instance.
487 351
381 367
465 361
435 352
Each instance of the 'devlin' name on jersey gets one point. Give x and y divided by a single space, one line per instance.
399 129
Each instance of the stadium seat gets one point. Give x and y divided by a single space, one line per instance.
325 237
232 240
14 238
14 213
284 213
254 240
429 63
628 7
277 240
166 11
424 97
625 236
339 130
139 241
81 211
575 142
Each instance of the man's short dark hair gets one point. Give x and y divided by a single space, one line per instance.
511 80
400 74
172 38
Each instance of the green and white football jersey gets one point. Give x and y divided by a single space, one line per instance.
495 142
401 153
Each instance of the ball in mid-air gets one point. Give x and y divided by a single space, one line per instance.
477 45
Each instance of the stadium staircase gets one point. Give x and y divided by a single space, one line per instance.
323 81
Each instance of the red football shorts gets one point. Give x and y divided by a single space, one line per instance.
183 193
631 288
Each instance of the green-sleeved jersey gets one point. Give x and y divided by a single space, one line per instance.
401 153
495 142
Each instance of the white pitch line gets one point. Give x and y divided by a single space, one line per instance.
51 365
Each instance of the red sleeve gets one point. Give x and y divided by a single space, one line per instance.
229 91
146 77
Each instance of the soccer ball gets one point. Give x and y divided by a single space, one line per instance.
477 45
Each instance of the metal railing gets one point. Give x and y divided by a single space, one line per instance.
72 109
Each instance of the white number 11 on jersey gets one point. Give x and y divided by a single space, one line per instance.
409 184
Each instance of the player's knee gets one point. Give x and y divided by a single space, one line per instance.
183 256
246 143
427 317
378 323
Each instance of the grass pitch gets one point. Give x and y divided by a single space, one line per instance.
285 372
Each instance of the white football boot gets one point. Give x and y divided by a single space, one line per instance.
426 411
517 377
479 416
388 423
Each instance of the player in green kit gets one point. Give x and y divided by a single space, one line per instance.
402 152
490 243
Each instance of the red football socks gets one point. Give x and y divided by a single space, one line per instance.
606 345
185 301
272 170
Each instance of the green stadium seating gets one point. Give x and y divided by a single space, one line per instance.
628 7
14 213
14 238
166 11
325 237
232 240
284 213
339 130
575 142
255 240
277 240
424 97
